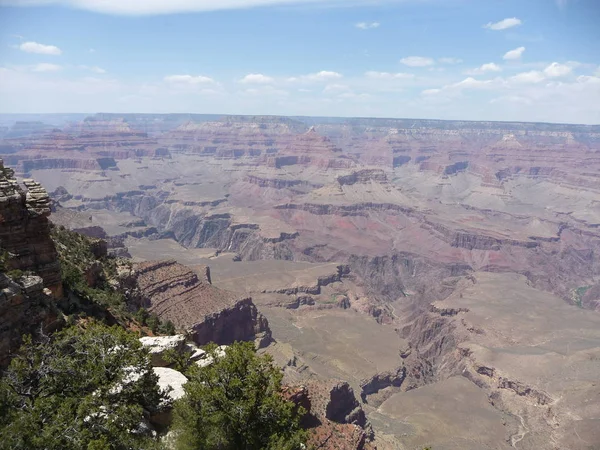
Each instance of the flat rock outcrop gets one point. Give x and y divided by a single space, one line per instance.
176 293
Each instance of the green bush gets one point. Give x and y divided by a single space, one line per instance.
236 403
68 392
15 274
153 322
142 316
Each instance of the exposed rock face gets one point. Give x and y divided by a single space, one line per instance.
335 416
382 381
24 308
435 201
25 231
176 293
343 406
27 247
363 176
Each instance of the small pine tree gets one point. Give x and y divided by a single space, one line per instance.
153 322
236 404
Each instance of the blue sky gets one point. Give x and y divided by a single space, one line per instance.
534 60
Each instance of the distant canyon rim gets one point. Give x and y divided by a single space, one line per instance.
448 271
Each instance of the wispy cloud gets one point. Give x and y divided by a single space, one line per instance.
514 54
388 76
367 25
455 89
189 79
46 67
256 78
555 70
41 49
417 61
503 24
157 7
323 75
335 88
95 69
533 76
450 60
485 68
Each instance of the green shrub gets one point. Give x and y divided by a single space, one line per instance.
67 392
236 403
15 274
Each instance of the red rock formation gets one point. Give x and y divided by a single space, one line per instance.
176 293
335 418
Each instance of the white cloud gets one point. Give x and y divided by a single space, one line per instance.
485 68
265 91
472 83
333 88
46 67
256 78
156 7
504 24
557 70
454 89
367 25
323 75
95 69
417 61
514 54
388 76
515 99
574 99
188 79
92 50
354 96
450 60
34 47
533 76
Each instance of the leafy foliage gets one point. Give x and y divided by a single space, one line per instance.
153 322
235 403
82 388
76 258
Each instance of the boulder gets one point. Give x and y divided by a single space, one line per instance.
159 345
206 360
171 381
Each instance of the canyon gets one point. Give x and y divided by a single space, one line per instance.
445 272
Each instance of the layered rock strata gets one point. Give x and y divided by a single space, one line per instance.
176 293
25 230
